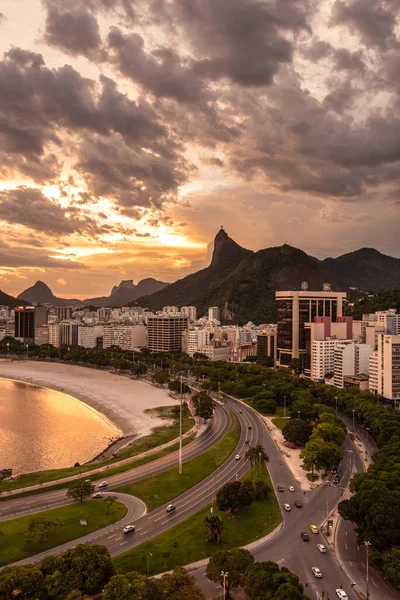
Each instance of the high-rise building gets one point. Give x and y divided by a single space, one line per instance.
126 337
266 347
213 313
385 367
164 332
350 359
55 334
194 339
64 313
69 333
295 309
27 318
190 312
88 336
42 335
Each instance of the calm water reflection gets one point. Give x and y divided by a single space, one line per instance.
43 429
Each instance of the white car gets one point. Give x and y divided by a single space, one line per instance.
98 495
291 488
321 548
317 572
237 457
287 507
103 484
341 594
129 529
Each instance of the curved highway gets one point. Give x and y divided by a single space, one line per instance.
219 426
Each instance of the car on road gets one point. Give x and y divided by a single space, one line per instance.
336 478
304 536
246 441
249 427
321 548
281 488
314 528
298 504
103 484
129 529
291 488
87 481
170 508
317 572
341 594
98 495
237 457
287 507
240 411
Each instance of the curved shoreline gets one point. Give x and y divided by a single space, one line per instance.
119 400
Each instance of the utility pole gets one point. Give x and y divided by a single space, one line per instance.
367 569
180 430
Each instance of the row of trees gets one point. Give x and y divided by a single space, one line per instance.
261 581
86 570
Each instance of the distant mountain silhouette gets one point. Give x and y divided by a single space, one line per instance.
6 300
243 283
127 292
42 294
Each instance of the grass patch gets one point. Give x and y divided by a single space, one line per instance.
103 474
280 422
14 546
186 542
158 490
159 436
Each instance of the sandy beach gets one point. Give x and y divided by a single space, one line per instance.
121 399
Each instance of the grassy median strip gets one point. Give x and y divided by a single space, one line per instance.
104 474
14 545
187 542
161 488
159 436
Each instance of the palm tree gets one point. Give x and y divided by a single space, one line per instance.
256 455
214 527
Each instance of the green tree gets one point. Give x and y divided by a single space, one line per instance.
160 378
80 490
77 595
179 585
234 495
175 386
39 529
204 405
109 500
120 588
265 580
29 579
391 567
235 562
297 431
214 527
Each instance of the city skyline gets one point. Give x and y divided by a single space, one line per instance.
128 139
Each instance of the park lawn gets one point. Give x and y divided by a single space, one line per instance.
280 422
96 476
187 542
156 491
14 548
159 436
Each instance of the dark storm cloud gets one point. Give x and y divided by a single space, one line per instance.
244 40
163 72
31 208
74 30
38 106
348 61
316 50
121 8
373 20
34 258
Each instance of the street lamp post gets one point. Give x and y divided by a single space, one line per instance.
224 575
298 414
351 459
284 406
336 399
148 562
354 431
367 569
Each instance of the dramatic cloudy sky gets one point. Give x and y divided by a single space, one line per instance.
130 130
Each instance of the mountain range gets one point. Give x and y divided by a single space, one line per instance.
121 294
242 282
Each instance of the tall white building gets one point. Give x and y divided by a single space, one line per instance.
213 313
170 310
190 312
88 336
55 334
350 359
69 333
126 337
323 357
385 367
194 339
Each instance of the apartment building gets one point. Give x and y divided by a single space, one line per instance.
126 337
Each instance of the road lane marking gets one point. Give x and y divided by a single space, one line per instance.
122 543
